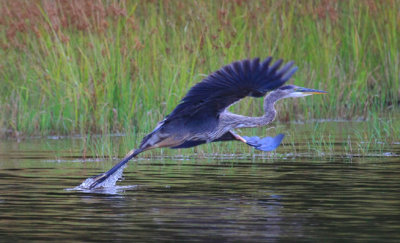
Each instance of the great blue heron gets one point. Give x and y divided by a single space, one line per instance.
202 116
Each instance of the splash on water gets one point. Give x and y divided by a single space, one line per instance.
108 186
115 190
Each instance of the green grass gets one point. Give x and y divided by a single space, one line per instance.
134 61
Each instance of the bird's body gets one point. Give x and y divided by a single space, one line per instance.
202 116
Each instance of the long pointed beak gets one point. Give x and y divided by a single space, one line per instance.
311 91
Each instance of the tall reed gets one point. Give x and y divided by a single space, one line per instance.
106 66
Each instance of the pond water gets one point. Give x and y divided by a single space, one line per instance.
226 199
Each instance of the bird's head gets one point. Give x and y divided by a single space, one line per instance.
294 91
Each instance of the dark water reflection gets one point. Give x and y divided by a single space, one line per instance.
201 200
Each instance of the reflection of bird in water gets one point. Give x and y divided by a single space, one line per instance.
202 116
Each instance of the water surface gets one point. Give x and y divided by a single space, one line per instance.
225 199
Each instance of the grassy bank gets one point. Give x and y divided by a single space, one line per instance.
376 137
89 67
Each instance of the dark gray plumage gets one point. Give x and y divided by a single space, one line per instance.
201 116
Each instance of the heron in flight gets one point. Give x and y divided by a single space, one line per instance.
202 115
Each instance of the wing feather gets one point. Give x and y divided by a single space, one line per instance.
231 83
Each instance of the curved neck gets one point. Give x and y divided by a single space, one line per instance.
238 121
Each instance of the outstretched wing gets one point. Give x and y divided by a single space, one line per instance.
231 83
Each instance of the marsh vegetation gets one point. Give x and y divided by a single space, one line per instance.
98 67
81 82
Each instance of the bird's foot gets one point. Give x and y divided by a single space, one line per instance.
94 181
265 144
